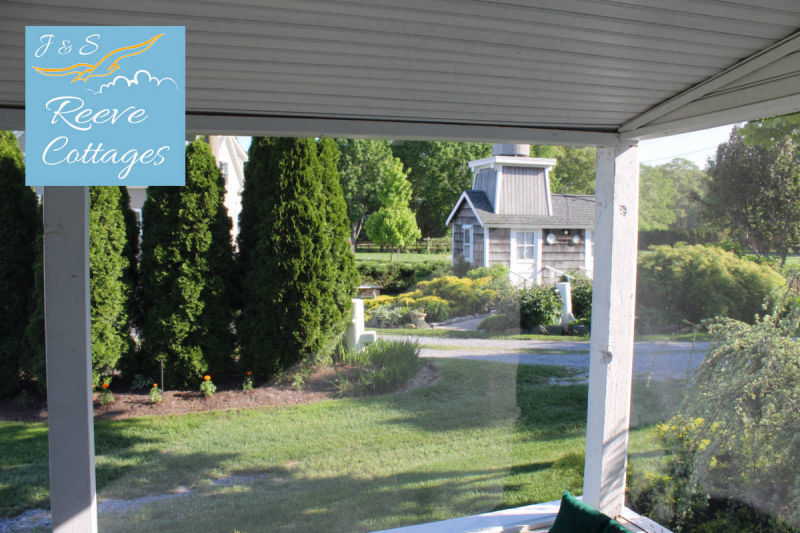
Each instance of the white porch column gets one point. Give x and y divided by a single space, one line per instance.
69 353
611 350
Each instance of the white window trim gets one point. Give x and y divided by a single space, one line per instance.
464 229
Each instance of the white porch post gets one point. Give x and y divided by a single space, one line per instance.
68 347
611 349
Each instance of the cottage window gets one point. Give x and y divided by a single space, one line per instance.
525 245
468 243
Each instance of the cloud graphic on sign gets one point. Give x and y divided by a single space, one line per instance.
134 80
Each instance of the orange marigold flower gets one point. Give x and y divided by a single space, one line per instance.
249 373
155 384
206 377
105 385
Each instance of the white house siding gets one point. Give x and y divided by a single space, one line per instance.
523 191
462 218
500 246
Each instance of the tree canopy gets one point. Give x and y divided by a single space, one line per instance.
671 196
574 172
754 189
364 165
394 223
438 173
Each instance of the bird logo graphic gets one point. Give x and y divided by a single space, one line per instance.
107 65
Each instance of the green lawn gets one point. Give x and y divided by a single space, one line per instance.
488 436
400 258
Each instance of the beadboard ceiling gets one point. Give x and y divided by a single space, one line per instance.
559 71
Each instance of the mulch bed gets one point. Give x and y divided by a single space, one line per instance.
321 385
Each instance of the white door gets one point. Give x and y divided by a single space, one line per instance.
523 257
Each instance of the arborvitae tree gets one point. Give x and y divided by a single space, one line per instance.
185 270
21 224
344 276
131 253
33 360
108 285
285 256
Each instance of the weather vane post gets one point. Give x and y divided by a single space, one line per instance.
104 105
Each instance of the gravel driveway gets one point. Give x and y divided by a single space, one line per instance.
659 360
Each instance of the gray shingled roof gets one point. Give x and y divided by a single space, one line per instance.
569 211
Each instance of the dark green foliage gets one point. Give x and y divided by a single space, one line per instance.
754 191
694 282
108 282
364 165
186 269
33 360
538 306
399 277
438 173
295 277
582 299
131 253
19 218
343 278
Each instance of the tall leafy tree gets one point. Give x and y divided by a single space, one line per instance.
21 225
109 284
754 190
657 198
285 255
574 172
394 223
344 276
363 166
438 173
185 275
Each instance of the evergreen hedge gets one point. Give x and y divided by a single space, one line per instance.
295 279
185 276
21 223
109 281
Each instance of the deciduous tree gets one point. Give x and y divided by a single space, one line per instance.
394 223
364 164
438 173
754 190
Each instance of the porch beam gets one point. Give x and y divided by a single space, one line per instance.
69 352
611 347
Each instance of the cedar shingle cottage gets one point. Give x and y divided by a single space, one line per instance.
509 217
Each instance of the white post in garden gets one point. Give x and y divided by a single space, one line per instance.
565 292
69 353
611 349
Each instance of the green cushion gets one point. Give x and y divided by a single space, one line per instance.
615 527
574 516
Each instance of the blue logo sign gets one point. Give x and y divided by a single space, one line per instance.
105 105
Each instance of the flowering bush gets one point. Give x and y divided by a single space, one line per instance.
155 394
247 384
207 387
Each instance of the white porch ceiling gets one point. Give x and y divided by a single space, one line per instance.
570 71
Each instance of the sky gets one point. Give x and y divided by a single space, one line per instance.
696 146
